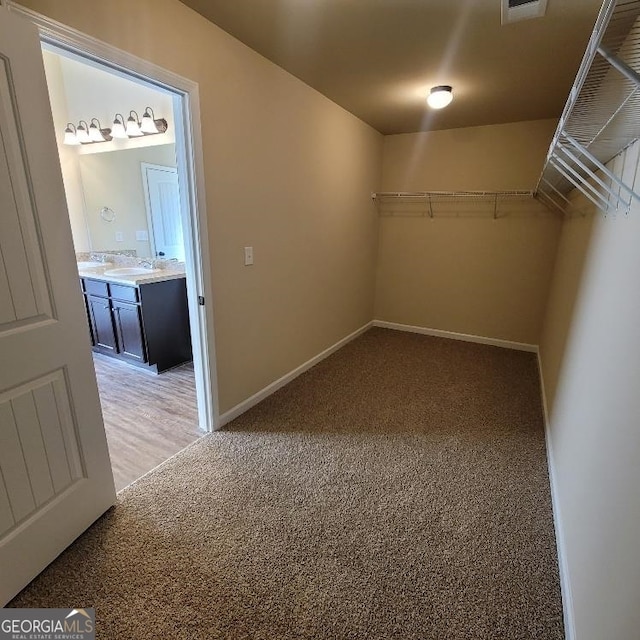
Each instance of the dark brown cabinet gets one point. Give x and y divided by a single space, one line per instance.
146 325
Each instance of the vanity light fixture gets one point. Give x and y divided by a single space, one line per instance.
97 133
118 130
70 136
441 96
133 126
149 123
82 132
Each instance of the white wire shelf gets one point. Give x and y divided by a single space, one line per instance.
434 204
601 117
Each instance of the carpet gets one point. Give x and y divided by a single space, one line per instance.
398 489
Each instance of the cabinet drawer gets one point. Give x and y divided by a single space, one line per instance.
96 288
122 292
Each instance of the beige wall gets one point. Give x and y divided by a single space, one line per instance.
114 180
465 271
590 354
68 155
287 171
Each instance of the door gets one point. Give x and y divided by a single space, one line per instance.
55 474
162 199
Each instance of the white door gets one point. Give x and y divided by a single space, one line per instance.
55 474
162 197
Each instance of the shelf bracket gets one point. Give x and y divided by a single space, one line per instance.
562 168
599 164
620 65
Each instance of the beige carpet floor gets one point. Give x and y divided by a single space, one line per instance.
399 489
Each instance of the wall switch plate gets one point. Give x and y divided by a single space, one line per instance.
142 236
119 236
248 256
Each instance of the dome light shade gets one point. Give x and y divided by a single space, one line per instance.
439 97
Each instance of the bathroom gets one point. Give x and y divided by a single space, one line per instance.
124 201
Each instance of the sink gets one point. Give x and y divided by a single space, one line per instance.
88 264
130 271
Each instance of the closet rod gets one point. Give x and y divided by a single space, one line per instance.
422 195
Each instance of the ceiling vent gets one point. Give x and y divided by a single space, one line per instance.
516 10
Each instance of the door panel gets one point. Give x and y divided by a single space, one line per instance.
102 323
21 255
129 330
55 473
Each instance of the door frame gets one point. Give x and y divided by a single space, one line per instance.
189 155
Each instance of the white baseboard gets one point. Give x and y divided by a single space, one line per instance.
565 584
466 337
239 409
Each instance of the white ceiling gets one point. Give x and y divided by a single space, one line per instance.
378 58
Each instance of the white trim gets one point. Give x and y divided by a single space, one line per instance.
245 405
563 567
452 335
191 173
87 47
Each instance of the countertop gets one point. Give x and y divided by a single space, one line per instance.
97 273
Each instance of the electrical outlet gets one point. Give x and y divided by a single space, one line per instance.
248 256
142 236
119 236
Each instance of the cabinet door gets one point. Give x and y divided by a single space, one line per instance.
129 330
85 299
104 336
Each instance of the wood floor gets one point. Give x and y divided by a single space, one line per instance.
148 418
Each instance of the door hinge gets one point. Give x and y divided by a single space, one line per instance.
201 301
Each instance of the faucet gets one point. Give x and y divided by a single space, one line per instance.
146 263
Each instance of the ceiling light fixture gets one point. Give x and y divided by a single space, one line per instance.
441 96
149 123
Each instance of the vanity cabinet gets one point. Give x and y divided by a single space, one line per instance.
147 324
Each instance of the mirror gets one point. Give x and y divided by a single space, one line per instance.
123 195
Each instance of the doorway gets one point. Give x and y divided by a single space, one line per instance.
152 407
